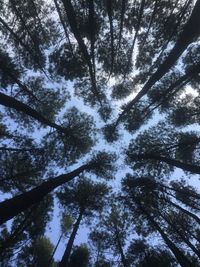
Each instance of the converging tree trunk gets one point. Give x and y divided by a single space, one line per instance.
65 259
120 248
181 258
11 102
181 235
11 207
172 162
188 35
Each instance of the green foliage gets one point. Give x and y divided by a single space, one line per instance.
77 141
100 89
142 255
79 257
102 164
66 64
83 195
37 254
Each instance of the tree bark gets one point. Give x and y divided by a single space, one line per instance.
181 258
189 33
121 22
74 27
172 162
54 251
185 240
120 249
11 102
190 214
13 206
65 259
63 25
109 11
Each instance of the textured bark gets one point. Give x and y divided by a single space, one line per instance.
13 206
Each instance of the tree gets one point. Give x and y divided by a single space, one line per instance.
82 199
111 233
104 90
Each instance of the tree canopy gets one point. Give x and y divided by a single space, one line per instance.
99 126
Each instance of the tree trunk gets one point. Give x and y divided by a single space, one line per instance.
13 206
173 88
150 24
192 204
109 11
181 258
189 33
180 191
54 251
195 217
13 237
121 21
18 39
137 28
185 239
65 259
120 249
73 24
172 162
11 102
63 25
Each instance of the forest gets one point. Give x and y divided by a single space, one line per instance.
100 133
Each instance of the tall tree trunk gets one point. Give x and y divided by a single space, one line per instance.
177 231
150 24
120 248
180 191
74 27
181 258
13 206
63 25
92 32
189 33
192 204
65 259
135 36
121 21
190 214
173 88
13 237
11 102
109 11
20 41
172 162
54 251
